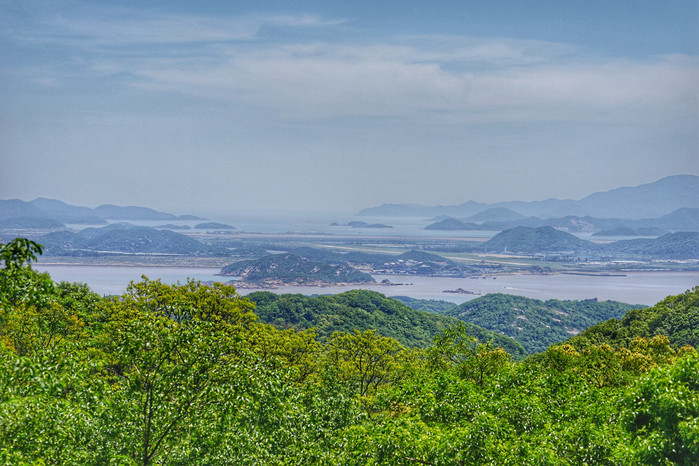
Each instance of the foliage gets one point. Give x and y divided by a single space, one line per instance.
429 305
363 360
363 310
455 350
187 374
676 317
18 251
534 323
663 414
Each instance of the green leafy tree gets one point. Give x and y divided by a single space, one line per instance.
18 252
456 350
363 360
173 351
662 414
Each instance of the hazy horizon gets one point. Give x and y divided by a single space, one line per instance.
332 106
231 213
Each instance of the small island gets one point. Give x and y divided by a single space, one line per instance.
462 291
214 226
276 270
360 224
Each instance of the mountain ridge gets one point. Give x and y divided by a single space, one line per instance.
650 199
55 209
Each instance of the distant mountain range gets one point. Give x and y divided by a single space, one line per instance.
684 219
29 213
645 201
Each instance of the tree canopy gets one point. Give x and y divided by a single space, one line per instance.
188 374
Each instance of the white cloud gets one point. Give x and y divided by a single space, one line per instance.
328 80
431 78
110 27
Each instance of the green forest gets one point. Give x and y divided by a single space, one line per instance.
190 374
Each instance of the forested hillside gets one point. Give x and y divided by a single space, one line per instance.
365 310
534 323
676 317
188 374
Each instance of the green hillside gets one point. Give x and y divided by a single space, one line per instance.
533 323
363 310
676 317
429 305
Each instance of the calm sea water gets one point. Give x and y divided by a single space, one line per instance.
637 288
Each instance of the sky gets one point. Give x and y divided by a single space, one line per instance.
334 106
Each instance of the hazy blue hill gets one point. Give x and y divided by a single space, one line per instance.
293 269
495 214
114 212
536 324
93 232
651 231
415 210
30 222
643 201
647 200
363 310
679 245
618 231
214 226
685 219
67 213
61 242
149 240
125 239
375 225
332 257
15 208
676 317
532 240
453 224
172 226
425 257
531 222
361 224
628 231
569 223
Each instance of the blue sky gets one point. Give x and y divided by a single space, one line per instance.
335 106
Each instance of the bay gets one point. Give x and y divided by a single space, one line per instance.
636 287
